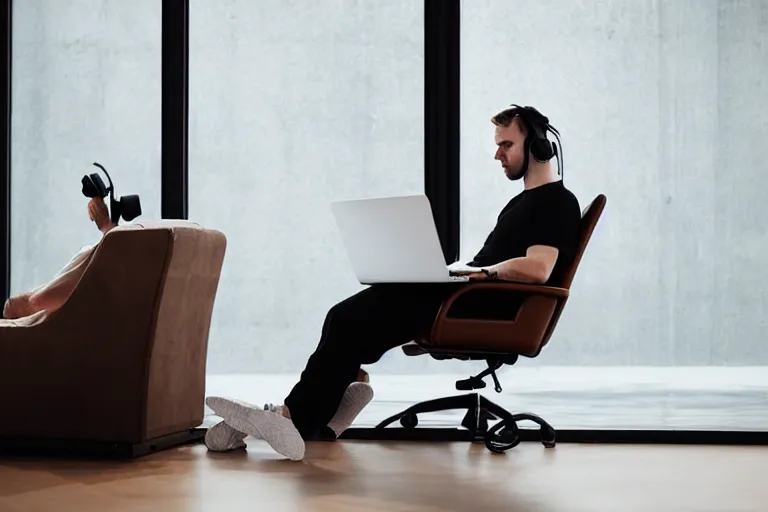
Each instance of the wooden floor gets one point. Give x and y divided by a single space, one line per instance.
398 476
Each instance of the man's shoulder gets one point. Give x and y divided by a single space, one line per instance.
564 200
570 200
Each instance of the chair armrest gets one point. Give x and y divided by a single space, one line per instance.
523 335
509 286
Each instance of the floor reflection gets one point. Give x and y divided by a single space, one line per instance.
702 398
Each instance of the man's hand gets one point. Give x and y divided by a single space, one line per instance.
98 213
474 276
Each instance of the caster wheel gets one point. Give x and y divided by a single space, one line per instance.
505 439
409 421
548 437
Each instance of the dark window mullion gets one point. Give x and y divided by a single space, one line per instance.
175 111
441 119
6 24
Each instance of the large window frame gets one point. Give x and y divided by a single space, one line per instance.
6 52
441 177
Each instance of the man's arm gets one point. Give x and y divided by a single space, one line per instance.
535 267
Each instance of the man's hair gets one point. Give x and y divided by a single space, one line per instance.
527 115
505 117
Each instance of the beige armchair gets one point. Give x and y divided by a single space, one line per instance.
121 365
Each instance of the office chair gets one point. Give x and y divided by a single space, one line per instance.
498 342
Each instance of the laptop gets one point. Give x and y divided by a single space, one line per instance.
393 240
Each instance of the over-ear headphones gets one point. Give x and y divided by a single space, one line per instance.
127 207
536 142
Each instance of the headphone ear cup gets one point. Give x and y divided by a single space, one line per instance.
93 186
131 207
541 149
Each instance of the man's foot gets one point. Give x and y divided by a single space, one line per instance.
268 424
223 438
358 395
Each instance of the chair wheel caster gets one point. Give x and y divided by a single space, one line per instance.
506 438
410 420
548 437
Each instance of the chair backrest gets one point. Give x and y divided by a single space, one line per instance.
589 217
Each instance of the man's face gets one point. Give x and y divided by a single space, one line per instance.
510 142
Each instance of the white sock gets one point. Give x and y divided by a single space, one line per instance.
356 397
223 437
267 424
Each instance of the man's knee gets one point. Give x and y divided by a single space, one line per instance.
356 305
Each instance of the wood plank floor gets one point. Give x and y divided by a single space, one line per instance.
380 476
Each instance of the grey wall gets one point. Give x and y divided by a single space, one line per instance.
294 104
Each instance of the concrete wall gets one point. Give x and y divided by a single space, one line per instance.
293 104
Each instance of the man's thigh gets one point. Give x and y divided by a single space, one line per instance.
395 310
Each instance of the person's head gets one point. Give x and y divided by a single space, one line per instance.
513 150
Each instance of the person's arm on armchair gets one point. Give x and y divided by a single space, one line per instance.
53 294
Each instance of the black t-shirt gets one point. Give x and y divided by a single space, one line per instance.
546 215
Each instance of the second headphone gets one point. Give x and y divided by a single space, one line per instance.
128 207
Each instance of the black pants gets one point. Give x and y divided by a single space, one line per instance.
359 330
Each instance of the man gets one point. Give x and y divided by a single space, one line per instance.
534 241
52 295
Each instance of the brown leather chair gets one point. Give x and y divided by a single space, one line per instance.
119 369
498 342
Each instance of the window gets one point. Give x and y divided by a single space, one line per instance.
660 106
86 88
293 105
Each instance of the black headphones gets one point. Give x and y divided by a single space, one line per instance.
127 207
536 143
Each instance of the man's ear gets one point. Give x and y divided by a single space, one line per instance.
546 257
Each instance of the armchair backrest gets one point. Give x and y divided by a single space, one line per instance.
124 357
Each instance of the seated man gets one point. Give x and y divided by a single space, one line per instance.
534 241
52 295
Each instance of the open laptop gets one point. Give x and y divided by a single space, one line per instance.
393 240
